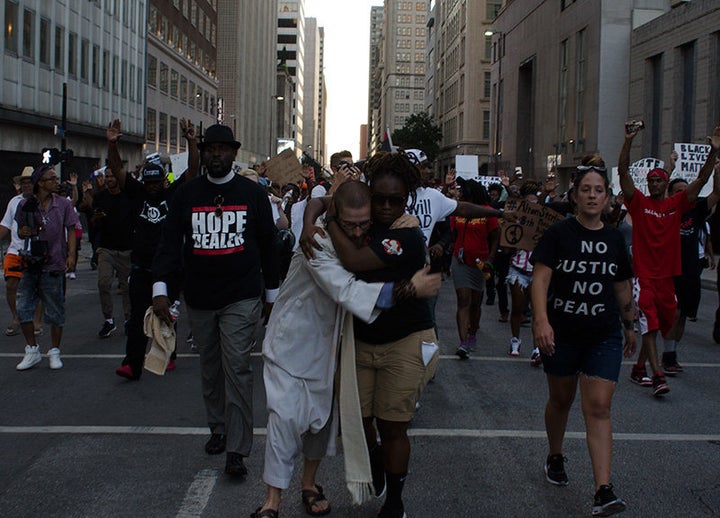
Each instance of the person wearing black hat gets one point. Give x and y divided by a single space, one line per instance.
221 234
152 194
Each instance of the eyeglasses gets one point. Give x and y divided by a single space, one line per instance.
349 226
586 168
393 201
218 201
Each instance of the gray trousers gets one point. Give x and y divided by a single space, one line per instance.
225 339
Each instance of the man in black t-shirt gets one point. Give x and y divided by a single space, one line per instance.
113 212
151 194
221 235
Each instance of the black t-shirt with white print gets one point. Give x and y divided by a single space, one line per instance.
403 252
586 263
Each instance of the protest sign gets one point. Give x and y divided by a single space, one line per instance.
691 158
638 173
532 219
179 163
284 168
466 166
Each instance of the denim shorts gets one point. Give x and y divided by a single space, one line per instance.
45 286
598 360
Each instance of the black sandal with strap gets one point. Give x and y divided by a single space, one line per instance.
311 498
267 513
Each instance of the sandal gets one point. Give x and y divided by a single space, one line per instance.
311 498
12 329
267 513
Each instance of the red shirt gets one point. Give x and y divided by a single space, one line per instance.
472 236
656 234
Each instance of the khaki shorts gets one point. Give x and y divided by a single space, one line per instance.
391 376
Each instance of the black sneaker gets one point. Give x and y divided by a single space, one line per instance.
216 444
606 503
377 469
107 329
392 512
555 470
235 466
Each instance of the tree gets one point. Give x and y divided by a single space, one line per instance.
419 132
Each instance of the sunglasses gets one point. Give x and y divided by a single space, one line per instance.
393 201
218 201
586 168
349 226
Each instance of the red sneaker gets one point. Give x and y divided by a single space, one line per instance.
640 377
170 366
127 372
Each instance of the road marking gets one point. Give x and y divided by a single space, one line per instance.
198 494
413 432
442 357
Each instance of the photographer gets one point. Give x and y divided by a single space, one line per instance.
45 220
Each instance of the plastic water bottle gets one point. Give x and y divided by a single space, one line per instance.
175 310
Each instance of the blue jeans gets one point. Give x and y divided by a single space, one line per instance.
46 286
599 360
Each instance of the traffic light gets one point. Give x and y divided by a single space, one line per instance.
53 156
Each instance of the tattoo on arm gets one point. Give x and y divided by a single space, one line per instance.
403 290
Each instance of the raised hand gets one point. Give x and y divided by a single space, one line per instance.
113 132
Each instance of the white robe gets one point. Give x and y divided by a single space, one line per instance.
300 351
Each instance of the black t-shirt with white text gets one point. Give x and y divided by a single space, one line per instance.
403 252
585 265
690 225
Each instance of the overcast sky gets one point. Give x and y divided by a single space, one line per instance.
347 40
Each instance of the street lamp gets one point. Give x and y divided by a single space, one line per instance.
273 110
496 148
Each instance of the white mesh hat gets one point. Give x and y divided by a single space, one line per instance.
417 154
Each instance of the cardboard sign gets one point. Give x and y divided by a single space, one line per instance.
179 164
691 158
284 168
532 221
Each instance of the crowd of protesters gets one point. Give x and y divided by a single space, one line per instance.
356 256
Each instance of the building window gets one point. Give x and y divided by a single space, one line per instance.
655 85
163 77
11 27
562 91
96 65
183 89
687 90
487 84
580 93
29 34
131 80
123 78
150 126
486 125
45 41
174 83
492 8
173 133
84 59
59 48
106 70
152 71
162 128
72 54
488 47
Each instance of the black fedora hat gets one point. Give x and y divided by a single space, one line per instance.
219 134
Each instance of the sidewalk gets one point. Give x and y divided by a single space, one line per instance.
708 279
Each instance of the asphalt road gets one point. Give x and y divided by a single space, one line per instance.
83 442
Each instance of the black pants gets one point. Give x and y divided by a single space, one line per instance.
502 265
140 292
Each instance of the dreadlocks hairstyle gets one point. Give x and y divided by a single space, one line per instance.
396 165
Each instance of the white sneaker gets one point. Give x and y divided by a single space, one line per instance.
54 357
31 359
515 346
71 276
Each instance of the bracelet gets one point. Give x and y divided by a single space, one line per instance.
329 219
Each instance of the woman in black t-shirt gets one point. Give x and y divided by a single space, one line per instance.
581 289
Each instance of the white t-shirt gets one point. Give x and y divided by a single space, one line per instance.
8 221
296 220
430 207
318 191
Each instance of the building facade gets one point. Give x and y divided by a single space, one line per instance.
84 58
560 94
291 51
247 64
181 71
674 77
375 128
403 63
312 85
459 85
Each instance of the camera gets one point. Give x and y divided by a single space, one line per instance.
634 126
35 258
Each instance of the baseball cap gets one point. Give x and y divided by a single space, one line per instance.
152 172
417 155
